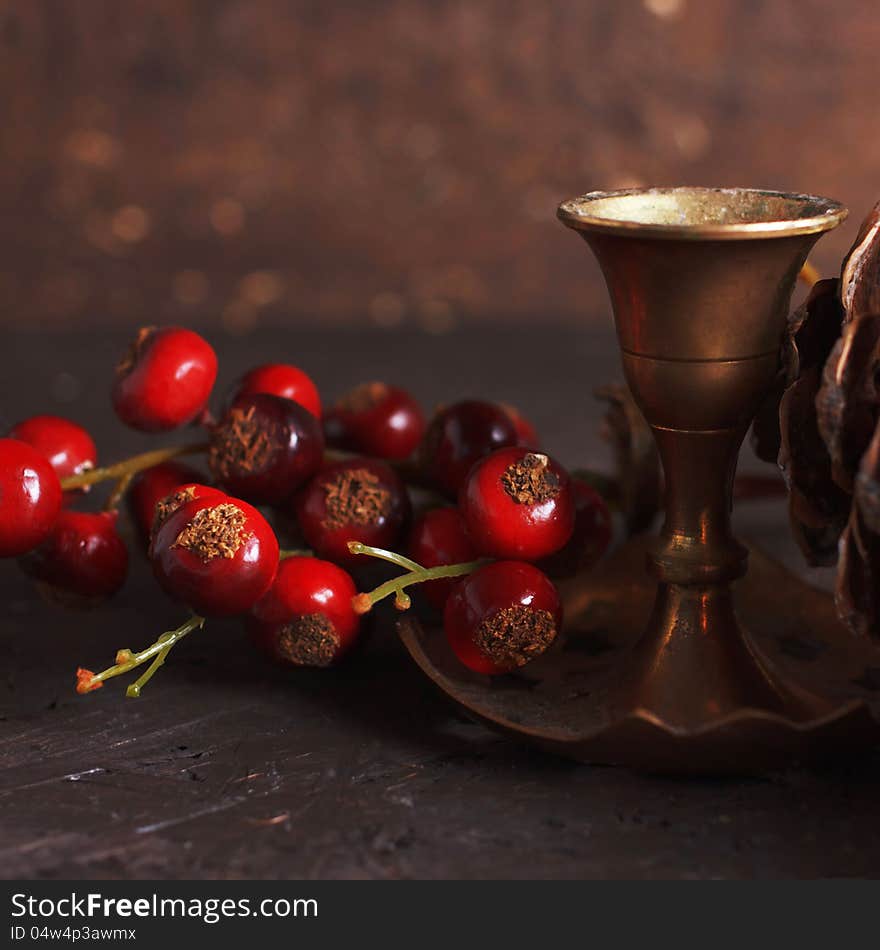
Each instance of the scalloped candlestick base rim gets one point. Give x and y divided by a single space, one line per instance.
566 702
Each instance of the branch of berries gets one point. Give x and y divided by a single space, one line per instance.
824 429
343 482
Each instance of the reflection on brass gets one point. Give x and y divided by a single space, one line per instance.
700 281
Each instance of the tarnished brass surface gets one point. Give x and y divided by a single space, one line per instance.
700 280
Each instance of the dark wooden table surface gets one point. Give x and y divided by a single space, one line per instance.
228 767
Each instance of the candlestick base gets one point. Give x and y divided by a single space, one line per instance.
803 690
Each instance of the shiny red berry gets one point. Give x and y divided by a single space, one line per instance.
356 499
440 537
280 379
30 497
177 498
458 436
518 504
591 537
218 556
152 485
379 420
526 434
306 617
265 447
165 380
68 446
82 562
502 616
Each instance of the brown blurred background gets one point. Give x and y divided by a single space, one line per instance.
237 163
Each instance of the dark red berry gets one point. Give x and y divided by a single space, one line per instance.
68 446
152 485
30 497
591 537
356 499
165 380
279 379
379 420
440 537
218 556
82 562
526 434
502 616
265 447
458 436
306 617
518 504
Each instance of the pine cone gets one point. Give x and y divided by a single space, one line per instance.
829 431
810 334
857 595
818 508
860 276
848 399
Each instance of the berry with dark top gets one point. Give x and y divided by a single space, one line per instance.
502 616
68 446
218 556
265 447
82 562
440 537
356 499
150 486
518 504
378 420
306 617
280 379
30 497
180 496
165 380
460 435
590 538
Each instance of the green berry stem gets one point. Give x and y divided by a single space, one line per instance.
416 574
358 547
126 660
133 691
118 493
294 552
131 466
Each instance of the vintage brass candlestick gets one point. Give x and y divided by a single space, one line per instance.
700 281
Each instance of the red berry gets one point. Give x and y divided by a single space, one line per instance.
379 420
265 447
218 556
279 379
30 497
502 616
518 504
440 537
306 617
526 434
165 380
591 537
458 436
150 486
356 499
83 561
177 498
68 446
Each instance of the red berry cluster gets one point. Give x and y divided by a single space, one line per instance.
343 481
